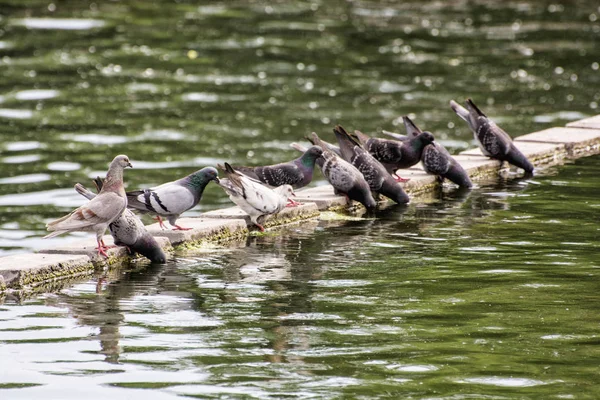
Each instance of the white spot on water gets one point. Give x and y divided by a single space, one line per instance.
59 24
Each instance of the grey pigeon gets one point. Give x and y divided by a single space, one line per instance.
492 140
345 177
393 154
435 157
379 180
252 196
99 212
128 230
171 199
298 172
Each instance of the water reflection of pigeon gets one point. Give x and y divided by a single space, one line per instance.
393 154
344 177
99 212
252 196
171 199
435 158
298 172
493 141
128 230
379 180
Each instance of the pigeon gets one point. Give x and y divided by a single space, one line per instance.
344 177
99 212
379 180
171 199
298 172
128 230
252 196
393 154
492 140
435 158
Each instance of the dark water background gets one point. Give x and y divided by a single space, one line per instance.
488 294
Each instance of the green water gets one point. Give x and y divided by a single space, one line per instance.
488 294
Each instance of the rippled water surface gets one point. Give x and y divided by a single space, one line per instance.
488 294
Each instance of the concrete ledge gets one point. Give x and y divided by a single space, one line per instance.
322 196
420 181
87 247
478 166
22 270
285 216
577 141
538 153
203 229
588 123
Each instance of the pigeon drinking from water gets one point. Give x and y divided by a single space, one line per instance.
345 177
379 180
393 154
435 158
128 230
252 196
171 199
492 140
98 213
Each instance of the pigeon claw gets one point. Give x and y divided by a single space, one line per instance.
181 228
398 178
292 203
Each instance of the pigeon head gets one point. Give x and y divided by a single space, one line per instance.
311 154
121 161
149 248
201 177
285 191
426 138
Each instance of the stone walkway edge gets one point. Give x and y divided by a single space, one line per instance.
40 270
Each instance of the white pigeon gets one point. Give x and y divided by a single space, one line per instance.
98 213
252 196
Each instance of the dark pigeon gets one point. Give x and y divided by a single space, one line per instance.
298 172
435 158
393 154
493 141
171 199
378 178
128 230
344 177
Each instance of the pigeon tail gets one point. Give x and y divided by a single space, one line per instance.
460 110
396 136
518 159
411 129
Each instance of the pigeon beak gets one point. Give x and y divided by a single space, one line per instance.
129 165
294 194
216 179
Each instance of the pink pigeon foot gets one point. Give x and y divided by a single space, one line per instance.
160 222
398 178
292 203
181 228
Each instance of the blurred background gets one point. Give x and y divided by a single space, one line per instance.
178 85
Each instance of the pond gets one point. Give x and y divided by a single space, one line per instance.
489 293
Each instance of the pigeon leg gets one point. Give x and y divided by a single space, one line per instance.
160 222
180 228
398 178
292 203
262 229
101 248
